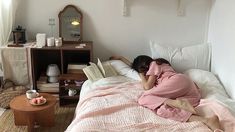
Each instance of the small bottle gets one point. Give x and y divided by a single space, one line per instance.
58 42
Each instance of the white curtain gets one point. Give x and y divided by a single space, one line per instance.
7 16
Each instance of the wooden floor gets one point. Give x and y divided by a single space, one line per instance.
63 117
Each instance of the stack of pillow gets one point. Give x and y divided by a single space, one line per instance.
184 58
181 59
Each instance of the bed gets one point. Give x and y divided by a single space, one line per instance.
110 104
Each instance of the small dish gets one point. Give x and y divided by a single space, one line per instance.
43 102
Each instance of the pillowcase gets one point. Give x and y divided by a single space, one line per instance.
182 59
207 82
124 69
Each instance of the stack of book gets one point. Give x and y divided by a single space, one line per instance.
75 68
44 86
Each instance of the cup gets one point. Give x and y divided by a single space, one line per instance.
51 41
30 94
72 92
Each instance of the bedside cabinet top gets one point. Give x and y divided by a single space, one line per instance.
79 46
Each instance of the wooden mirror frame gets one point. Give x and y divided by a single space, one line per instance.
60 24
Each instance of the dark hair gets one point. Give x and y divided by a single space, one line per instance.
142 62
160 61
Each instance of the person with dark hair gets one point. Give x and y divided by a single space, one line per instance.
169 94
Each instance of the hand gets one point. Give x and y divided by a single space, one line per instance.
142 75
115 57
121 58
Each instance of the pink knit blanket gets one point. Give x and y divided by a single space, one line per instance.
115 108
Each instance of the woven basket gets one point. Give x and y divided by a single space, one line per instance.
7 94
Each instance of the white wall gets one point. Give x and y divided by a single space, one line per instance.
222 37
114 34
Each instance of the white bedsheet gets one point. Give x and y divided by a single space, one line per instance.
88 86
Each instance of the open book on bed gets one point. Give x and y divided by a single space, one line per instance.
100 70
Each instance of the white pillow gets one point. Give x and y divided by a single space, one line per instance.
207 82
181 59
125 70
211 88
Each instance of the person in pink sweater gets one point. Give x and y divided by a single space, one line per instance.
169 94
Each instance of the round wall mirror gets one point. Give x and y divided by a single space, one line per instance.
70 24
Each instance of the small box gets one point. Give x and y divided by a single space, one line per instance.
41 39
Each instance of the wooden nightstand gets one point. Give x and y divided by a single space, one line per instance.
70 81
61 56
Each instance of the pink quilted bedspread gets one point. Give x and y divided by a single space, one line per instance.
115 108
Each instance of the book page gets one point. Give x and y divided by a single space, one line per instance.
106 68
109 70
76 66
92 72
100 66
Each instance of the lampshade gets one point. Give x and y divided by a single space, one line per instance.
53 72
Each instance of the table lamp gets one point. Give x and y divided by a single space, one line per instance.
53 72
